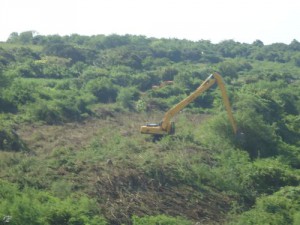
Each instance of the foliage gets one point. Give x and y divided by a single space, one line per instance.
270 175
20 92
280 208
127 96
35 207
103 89
256 137
70 111
57 112
161 220
9 139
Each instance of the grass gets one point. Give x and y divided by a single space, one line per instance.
123 170
106 158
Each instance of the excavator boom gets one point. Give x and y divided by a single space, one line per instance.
167 127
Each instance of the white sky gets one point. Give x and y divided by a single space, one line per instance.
270 21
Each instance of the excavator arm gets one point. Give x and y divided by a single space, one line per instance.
167 127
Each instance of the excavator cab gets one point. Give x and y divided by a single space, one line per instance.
168 127
156 129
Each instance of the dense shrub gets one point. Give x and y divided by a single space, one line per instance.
127 96
278 209
256 137
43 111
103 89
57 79
269 175
21 92
39 208
56 112
92 72
9 139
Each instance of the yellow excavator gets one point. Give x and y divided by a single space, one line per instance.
168 127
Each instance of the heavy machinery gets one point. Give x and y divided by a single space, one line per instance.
167 127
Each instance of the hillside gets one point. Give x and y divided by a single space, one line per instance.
71 151
127 175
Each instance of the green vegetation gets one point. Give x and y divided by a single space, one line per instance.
33 207
71 151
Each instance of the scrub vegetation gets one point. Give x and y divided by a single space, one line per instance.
71 152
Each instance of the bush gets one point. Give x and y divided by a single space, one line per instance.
296 59
258 138
269 175
127 96
103 89
232 174
92 73
9 139
67 106
39 208
280 208
43 111
21 92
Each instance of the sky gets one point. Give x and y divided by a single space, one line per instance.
271 21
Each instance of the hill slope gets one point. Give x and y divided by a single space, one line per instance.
71 151
134 181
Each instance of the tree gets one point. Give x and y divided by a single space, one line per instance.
115 40
226 48
26 37
13 37
295 45
65 51
3 80
296 59
258 43
228 68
